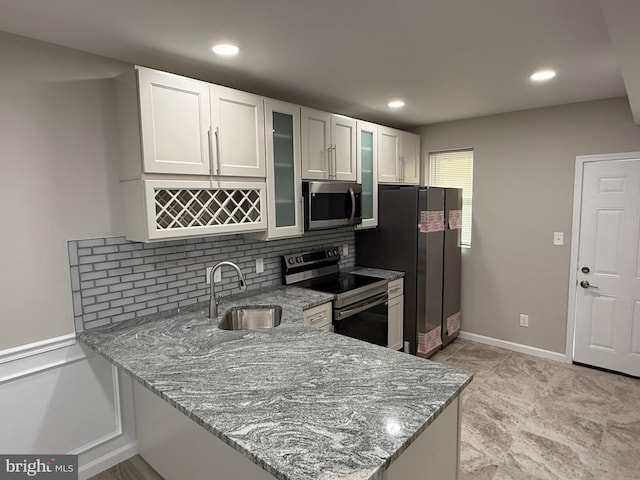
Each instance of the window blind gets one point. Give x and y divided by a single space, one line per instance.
455 169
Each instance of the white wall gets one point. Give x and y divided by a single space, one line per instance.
58 178
523 192
58 181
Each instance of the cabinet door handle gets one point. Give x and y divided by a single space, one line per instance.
217 150
335 162
211 159
329 162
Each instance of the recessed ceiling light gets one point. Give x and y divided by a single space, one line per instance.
226 49
542 75
396 104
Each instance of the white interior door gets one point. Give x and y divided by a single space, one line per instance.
607 308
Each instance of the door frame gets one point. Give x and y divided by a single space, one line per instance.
581 160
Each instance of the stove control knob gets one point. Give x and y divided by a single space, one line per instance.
335 252
290 261
330 253
299 259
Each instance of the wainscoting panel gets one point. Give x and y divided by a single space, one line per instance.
65 399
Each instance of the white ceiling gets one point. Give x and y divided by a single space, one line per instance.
449 59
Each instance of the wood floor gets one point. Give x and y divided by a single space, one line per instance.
135 468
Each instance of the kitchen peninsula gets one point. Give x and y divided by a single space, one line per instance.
290 402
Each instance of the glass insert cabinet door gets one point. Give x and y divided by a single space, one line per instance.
367 172
283 158
283 169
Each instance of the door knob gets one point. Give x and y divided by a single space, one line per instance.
586 284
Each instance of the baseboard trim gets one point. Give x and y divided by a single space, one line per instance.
107 461
516 347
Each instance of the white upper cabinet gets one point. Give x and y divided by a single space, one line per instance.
316 142
343 152
368 172
237 132
196 128
410 157
328 146
388 155
174 123
284 183
398 157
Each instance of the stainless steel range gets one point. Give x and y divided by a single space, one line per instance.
360 303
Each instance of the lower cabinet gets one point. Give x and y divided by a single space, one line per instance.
395 334
319 317
178 448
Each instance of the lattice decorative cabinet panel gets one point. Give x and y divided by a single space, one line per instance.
184 208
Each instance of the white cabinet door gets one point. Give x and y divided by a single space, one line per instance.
284 184
316 142
388 155
319 317
328 146
410 158
367 164
238 127
343 154
174 123
395 325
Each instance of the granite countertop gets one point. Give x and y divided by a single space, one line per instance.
376 272
299 402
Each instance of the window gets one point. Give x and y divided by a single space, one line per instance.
455 169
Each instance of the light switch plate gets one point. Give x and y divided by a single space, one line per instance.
208 275
558 238
217 277
345 249
259 265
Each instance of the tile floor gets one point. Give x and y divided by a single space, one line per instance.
524 417
527 418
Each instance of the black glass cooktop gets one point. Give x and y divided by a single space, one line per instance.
339 283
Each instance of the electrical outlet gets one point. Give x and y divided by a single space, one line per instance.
558 238
524 320
217 277
345 250
208 275
259 265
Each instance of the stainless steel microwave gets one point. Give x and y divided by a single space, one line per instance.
331 204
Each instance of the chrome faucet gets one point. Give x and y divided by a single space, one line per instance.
213 300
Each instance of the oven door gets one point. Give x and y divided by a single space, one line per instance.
366 320
331 204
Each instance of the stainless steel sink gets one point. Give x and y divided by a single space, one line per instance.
251 317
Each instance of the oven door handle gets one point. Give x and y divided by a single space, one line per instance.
353 205
372 302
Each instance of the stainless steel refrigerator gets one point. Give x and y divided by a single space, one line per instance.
419 233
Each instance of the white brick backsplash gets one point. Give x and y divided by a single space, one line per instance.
120 280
